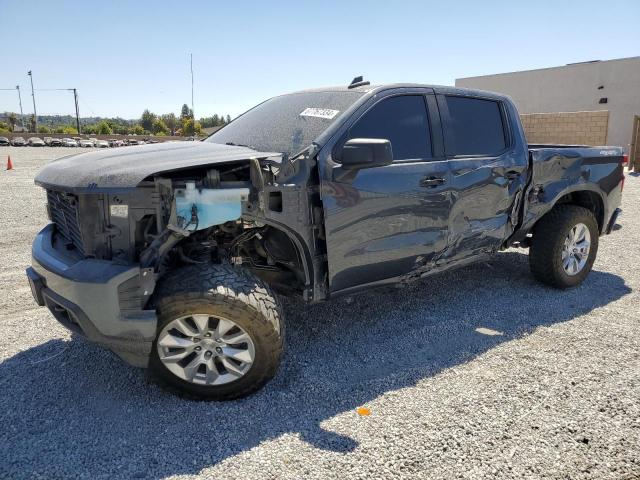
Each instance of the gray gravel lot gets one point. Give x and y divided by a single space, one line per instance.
477 373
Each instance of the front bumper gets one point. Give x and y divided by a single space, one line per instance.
96 298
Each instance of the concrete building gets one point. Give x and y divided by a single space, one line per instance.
591 103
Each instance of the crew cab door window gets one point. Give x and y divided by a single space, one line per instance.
475 127
403 121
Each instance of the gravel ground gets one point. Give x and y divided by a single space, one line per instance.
478 373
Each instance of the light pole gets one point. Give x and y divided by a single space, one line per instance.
20 103
33 95
193 110
75 98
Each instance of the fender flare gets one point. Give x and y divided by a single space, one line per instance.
587 188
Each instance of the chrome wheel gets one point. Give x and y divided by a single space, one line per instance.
205 349
575 251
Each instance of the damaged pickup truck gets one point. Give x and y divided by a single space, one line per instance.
172 254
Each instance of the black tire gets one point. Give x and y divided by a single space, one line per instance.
232 293
545 254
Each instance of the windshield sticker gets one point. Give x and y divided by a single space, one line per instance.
319 112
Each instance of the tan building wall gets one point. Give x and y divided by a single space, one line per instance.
573 128
574 88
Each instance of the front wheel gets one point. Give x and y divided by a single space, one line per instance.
564 246
219 333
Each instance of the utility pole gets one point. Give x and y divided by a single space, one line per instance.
75 100
193 111
75 97
20 103
35 114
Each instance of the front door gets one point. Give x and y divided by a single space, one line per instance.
385 222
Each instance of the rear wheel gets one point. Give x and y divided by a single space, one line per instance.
219 333
564 246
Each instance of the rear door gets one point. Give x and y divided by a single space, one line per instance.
385 222
488 172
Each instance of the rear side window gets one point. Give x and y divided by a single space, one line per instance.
403 121
475 127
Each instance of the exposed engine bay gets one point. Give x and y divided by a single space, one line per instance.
235 213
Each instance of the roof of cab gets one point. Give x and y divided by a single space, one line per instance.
373 89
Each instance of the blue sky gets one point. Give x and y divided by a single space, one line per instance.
124 57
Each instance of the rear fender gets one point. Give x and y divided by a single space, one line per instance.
558 173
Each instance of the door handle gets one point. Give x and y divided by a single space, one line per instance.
431 182
512 175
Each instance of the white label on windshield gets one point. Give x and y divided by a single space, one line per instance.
319 112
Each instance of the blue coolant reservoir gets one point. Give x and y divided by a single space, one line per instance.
214 206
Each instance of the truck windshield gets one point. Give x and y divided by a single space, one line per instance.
288 123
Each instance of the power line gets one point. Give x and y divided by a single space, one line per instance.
75 100
17 87
84 102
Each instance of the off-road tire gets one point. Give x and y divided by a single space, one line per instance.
235 294
545 254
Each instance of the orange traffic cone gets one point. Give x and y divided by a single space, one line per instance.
9 163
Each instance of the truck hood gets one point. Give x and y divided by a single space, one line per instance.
126 167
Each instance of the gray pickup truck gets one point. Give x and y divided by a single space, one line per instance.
171 254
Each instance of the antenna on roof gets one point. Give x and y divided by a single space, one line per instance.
358 82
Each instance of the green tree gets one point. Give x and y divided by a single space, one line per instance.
228 119
215 120
147 120
32 123
13 119
44 129
188 129
137 130
90 129
186 112
103 128
68 130
171 122
159 127
4 127
122 130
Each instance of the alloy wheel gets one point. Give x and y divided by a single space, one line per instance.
575 251
205 349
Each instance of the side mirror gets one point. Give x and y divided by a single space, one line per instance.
366 153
